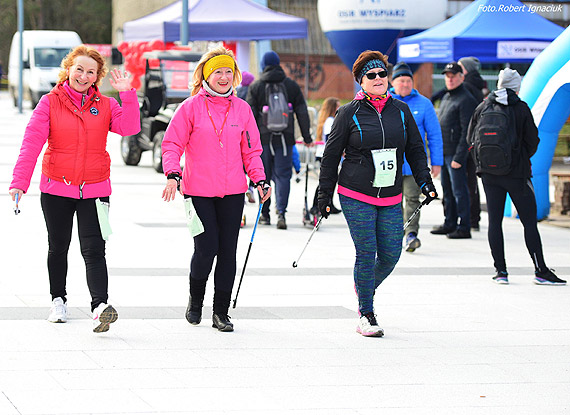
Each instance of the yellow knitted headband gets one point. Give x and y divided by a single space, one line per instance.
220 61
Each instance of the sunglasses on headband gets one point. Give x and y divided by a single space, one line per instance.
372 75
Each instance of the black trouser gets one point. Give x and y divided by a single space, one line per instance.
221 218
474 199
58 214
521 192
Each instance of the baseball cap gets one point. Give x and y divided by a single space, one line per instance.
452 67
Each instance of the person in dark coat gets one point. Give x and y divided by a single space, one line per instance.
455 111
278 147
516 183
475 85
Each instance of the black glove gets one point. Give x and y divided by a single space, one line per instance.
428 189
324 200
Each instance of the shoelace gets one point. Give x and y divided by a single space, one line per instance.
371 317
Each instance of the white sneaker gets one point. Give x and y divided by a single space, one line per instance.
58 312
368 326
104 315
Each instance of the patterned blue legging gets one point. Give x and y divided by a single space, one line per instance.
377 233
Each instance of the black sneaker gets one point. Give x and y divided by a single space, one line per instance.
441 230
459 234
502 277
547 277
281 224
222 322
264 220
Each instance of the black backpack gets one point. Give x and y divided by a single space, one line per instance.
276 113
494 141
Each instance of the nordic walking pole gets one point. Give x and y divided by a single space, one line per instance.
315 228
424 202
247 255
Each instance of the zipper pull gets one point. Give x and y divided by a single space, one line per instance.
248 140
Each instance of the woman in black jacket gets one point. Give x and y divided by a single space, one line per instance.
373 132
516 183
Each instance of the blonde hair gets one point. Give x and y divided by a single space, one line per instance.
328 109
199 71
82 50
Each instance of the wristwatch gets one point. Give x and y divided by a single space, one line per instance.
176 176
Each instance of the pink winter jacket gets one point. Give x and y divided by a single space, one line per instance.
124 121
214 166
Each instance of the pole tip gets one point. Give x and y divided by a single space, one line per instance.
294 264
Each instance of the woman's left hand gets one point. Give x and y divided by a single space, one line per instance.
264 194
169 191
119 81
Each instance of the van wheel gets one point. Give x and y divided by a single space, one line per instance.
157 151
130 151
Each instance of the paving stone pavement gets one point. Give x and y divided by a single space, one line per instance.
455 342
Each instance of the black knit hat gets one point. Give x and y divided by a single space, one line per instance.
401 69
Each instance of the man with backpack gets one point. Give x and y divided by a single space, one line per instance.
502 137
274 98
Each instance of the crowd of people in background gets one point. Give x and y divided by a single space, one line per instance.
373 151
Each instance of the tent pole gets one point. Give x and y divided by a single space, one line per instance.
184 23
307 44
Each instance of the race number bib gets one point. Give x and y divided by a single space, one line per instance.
385 167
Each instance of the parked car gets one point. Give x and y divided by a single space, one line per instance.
166 80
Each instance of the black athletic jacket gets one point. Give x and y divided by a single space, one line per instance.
358 129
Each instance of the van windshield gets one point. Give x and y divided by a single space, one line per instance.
49 57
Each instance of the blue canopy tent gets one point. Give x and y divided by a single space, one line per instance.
492 30
215 20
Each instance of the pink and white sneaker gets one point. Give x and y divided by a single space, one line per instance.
103 316
368 326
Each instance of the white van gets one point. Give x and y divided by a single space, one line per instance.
43 52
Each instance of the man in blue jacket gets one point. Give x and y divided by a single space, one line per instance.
426 119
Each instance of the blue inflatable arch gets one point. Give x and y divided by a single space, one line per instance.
546 90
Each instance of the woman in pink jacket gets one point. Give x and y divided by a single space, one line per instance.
219 137
74 119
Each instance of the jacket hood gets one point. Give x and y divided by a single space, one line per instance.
273 74
474 78
504 96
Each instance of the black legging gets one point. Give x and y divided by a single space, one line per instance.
221 218
58 214
521 192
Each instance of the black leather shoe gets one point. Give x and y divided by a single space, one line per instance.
459 234
222 322
193 313
441 230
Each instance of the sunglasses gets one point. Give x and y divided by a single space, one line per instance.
372 75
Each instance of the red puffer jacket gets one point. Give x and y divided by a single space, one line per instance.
76 152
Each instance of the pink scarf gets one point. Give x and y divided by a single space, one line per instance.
378 101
